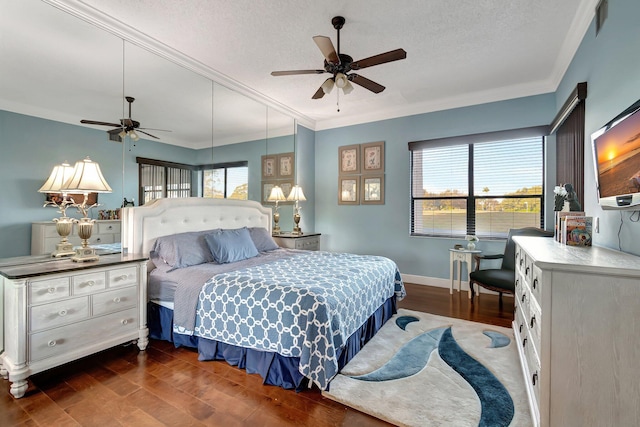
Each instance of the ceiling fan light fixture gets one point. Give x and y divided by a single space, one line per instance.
327 86
122 134
341 80
133 135
348 88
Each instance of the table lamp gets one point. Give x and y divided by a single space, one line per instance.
86 178
64 224
296 195
276 195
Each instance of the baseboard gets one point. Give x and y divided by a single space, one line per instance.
443 283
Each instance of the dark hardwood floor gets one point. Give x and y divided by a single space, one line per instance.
165 386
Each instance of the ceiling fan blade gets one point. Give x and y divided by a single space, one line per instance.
327 49
382 58
293 72
152 136
93 122
161 130
319 93
366 83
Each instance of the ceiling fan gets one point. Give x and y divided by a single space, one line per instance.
339 65
127 126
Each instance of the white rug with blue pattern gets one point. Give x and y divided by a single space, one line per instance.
427 370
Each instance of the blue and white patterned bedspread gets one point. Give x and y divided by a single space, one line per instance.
305 307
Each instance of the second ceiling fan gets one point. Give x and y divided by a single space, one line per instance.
339 65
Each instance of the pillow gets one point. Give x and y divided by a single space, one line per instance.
262 239
231 245
181 250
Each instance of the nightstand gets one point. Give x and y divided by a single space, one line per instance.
57 311
308 241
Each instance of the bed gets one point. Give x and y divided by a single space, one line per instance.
219 283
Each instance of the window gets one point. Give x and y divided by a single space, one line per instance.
159 179
479 184
226 181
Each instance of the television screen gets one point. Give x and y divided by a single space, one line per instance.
616 150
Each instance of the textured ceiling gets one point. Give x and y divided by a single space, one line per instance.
458 53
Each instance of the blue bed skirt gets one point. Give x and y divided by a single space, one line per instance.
273 368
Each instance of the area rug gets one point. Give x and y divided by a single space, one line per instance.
427 370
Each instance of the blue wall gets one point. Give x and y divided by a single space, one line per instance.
384 229
610 65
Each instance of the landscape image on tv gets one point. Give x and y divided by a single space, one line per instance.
618 152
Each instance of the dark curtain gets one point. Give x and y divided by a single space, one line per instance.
570 151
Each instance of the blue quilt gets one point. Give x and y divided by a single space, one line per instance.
306 306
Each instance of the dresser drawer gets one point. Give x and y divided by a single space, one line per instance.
123 277
83 284
534 322
520 321
116 300
100 239
49 290
58 313
533 364
108 227
308 243
69 338
536 283
522 298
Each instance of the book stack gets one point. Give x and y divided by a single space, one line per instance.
573 228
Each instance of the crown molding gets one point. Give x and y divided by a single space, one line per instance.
121 30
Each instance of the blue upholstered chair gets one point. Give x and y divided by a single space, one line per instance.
502 279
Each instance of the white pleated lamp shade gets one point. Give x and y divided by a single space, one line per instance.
276 194
296 194
86 178
59 175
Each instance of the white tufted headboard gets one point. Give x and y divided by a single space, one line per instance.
142 225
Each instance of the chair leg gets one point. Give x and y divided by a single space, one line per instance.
500 299
472 290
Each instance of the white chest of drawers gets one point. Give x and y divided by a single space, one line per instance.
44 236
577 320
58 311
309 242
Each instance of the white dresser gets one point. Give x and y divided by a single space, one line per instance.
44 236
577 320
309 242
57 311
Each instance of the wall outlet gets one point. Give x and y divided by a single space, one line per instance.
596 224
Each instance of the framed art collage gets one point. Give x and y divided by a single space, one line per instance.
277 169
361 174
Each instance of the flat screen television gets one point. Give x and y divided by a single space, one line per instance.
616 154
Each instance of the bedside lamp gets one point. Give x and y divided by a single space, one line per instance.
64 224
86 178
276 195
296 195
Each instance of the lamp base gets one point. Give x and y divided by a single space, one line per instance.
63 249
85 254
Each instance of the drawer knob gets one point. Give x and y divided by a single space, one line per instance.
521 261
534 378
62 313
535 283
116 299
51 343
533 320
51 290
526 271
124 321
524 297
524 342
91 283
123 277
98 239
517 282
110 227
521 325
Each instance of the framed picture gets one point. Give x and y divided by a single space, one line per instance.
285 165
349 159
373 157
372 190
266 190
269 167
286 189
348 190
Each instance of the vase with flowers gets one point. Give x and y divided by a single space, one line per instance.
472 239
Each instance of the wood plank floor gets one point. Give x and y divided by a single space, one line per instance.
164 386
